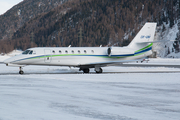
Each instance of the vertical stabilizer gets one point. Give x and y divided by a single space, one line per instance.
144 37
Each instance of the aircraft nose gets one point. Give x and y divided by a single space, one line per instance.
7 61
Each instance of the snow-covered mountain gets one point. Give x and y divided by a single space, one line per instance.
168 48
109 23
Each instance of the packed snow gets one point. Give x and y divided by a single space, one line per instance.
49 93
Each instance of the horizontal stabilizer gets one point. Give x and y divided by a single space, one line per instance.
156 41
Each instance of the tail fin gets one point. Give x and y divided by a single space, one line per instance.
144 38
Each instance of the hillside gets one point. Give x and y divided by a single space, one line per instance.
103 22
16 17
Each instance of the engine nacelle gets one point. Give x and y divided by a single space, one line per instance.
119 51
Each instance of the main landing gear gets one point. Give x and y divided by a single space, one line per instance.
100 70
86 70
97 70
21 71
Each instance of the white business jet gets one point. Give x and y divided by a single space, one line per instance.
88 57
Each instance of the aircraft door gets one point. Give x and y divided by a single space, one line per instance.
48 57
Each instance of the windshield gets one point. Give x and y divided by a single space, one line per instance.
31 52
26 52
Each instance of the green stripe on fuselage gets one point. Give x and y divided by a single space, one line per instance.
144 48
44 56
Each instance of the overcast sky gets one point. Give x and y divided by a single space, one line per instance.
7 4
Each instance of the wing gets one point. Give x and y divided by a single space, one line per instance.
93 65
140 63
154 63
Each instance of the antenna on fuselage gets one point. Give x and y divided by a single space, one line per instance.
69 46
100 46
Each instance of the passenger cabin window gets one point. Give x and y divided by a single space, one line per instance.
79 51
85 51
53 51
59 51
73 51
66 52
92 51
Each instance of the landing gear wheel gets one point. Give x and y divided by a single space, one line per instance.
21 71
86 70
100 70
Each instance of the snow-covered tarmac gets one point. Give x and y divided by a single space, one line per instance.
124 96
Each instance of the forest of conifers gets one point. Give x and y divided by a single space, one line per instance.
103 22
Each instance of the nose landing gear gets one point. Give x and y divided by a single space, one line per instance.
21 71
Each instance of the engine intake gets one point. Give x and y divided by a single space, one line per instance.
109 51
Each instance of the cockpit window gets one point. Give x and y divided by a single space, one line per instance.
26 52
31 52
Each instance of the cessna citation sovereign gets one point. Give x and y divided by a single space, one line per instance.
88 57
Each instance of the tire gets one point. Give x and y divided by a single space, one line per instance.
86 70
100 70
21 72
